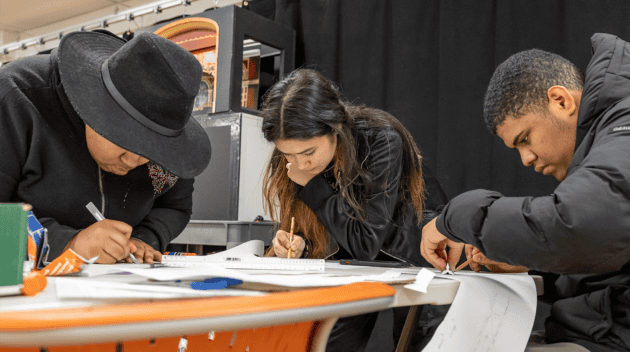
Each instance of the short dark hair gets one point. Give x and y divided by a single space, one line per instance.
519 85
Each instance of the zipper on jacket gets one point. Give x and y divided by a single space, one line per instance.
100 186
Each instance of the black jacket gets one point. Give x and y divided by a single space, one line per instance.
584 226
389 233
45 162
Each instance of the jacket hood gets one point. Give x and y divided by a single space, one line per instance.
607 76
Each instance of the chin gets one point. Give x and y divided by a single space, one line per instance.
116 171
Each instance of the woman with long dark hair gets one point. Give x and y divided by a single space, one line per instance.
352 178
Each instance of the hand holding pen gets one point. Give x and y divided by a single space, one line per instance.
109 239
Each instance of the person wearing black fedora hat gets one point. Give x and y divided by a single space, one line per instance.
105 121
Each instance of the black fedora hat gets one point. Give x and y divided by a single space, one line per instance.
139 95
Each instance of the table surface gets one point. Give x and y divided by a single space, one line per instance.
46 305
440 291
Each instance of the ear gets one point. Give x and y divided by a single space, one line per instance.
561 102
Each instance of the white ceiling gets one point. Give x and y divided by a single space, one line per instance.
21 16
20 19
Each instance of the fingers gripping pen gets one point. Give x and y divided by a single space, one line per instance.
99 217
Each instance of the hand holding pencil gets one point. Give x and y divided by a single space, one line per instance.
476 259
288 244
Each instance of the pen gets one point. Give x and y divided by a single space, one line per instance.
99 217
291 236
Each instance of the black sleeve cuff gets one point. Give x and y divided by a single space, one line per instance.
441 227
149 238
315 192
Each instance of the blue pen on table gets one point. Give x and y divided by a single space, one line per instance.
216 283
99 217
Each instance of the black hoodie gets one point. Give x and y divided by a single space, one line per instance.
45 162
584 226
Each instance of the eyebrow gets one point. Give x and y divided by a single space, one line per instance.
302 152
517 138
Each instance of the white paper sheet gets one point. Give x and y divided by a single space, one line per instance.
490 313
311 280
249 256
104 269
68 288
253 248
423 279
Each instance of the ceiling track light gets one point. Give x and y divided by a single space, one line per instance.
156 7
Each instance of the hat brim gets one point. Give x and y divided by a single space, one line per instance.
81 55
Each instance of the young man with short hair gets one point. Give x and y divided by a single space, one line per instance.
577 130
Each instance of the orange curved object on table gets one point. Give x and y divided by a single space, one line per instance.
63 318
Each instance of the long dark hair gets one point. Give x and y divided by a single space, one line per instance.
305 105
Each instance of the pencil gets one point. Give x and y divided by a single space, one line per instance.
463 265
291 236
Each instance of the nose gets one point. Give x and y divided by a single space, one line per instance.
527 156
133 160
303 162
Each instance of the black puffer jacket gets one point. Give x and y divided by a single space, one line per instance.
584 226
389 233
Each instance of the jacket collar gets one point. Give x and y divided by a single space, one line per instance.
606 81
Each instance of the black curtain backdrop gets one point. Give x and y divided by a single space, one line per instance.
428 62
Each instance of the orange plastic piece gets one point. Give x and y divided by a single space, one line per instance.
33 283
67 263
32 250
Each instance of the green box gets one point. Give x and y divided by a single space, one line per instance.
13 244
